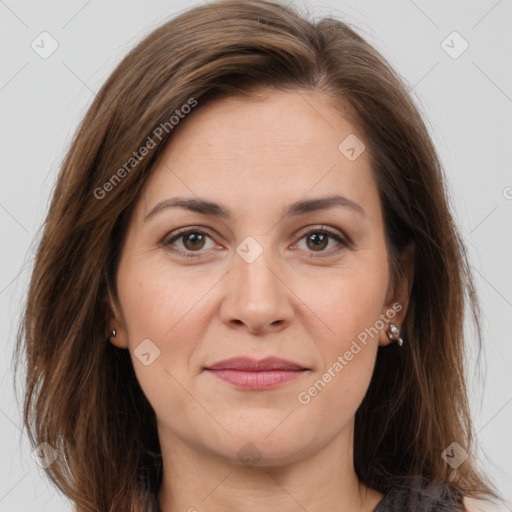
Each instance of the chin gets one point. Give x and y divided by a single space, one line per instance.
261 447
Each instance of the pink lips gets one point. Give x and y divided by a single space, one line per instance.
247 373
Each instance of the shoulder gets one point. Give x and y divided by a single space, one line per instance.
474 505
470 505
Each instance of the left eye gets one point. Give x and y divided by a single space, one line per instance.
319 239
193 240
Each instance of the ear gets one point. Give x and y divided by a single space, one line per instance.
116 322
399 294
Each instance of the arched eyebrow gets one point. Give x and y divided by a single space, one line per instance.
213 209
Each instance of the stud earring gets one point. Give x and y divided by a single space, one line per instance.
394 334
113 334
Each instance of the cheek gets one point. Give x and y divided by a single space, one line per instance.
349 306
335 392
350 299
167 323
170 309
165 312
157 299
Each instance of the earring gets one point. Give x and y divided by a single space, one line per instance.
113 334
394 334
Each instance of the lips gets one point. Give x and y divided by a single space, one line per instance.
251 374
248 364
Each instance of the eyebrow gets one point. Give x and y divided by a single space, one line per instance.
298 208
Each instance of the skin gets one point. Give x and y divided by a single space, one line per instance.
295 300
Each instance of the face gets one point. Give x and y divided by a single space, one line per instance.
263 270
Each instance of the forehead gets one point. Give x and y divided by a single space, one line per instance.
292 124
273 149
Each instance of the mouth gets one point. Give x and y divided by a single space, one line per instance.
251 374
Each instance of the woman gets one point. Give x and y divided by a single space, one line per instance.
250 289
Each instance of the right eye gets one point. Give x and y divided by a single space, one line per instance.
192 240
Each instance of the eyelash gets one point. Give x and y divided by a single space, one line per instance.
168 240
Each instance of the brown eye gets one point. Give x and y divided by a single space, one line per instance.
193 241
317 241
187 242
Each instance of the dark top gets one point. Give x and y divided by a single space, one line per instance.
417 495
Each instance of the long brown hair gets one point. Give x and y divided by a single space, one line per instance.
81 394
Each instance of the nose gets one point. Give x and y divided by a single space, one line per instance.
257 296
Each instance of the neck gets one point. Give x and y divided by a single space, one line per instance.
195 480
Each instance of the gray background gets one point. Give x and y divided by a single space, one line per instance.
467 102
